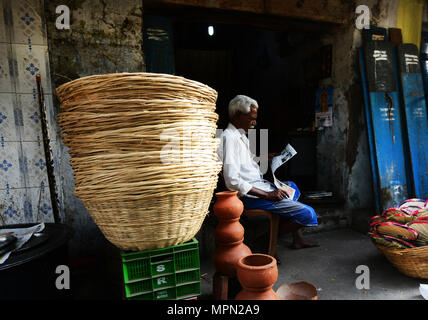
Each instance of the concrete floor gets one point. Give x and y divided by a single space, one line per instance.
332 269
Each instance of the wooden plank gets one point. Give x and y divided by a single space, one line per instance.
220 286
370 135
331 11
255 6
316 10
383 110
415 116
214 16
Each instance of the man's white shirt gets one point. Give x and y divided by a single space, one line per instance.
240 170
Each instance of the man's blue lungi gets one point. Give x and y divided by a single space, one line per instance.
289 209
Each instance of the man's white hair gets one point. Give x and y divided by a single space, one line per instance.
241 103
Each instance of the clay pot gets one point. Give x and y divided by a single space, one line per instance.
228 205
300 290
257 273
229 233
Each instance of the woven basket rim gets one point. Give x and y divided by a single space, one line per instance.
171 101
402 251
132 74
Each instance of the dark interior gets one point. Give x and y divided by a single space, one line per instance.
274 67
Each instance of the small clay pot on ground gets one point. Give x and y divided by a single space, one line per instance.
300 290
257 274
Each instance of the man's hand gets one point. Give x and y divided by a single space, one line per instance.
271 155
276 195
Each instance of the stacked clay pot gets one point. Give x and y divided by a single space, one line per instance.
229 233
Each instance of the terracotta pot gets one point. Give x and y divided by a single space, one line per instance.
229 233
228 205
300 290
257 273
227 255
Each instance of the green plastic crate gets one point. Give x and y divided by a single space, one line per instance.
178 293
168 273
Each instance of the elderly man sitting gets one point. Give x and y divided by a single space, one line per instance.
241 173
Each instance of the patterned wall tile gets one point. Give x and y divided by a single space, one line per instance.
29 63
4 30
41 205
6 68
32 117
35 161
27 25
32 128
9 131
11 175
12 207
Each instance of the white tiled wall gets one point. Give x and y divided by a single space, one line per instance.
28 27
9 131
24 187
30 60
6 77
4 33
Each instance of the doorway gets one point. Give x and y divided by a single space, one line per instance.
275 67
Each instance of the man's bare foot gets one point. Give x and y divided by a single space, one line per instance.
304 244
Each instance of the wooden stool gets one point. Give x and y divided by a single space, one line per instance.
225 287
274 226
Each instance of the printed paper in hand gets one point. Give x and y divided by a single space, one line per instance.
278 161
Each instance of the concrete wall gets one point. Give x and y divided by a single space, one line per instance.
105 36
343 152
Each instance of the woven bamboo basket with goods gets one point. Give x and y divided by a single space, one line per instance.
143 153
412 262
401 234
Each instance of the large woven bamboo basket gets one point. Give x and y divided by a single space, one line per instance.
143 153
412 262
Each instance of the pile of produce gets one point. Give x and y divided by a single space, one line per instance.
403 227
